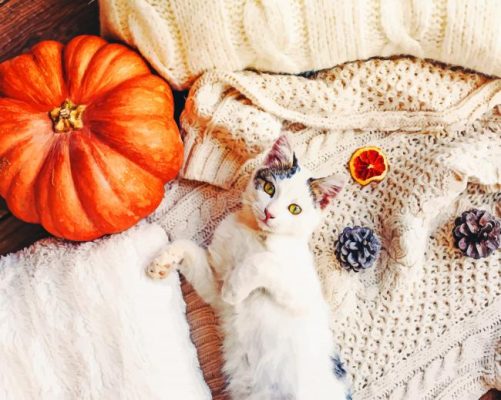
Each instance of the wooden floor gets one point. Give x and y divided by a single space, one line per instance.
22 24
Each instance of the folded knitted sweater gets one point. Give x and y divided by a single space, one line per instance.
425 322
183 38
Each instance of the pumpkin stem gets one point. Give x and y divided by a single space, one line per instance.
67 117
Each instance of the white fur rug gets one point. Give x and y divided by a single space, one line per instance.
84 322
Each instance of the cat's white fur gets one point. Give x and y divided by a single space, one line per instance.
261 279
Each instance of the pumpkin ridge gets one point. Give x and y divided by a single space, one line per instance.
98 224
123 50
38 203
126 83
82 205
77 49
36 61
101 138
104 93
81 42
98 162
41 61
47 149
10 66
43 147
40 72
26 117
19 144
15 143
12 148
22 126
49 212
92 60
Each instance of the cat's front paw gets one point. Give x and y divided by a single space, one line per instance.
162 265
156 270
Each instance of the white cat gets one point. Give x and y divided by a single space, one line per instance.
259 275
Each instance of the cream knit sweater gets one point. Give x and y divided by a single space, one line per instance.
183 38
425 322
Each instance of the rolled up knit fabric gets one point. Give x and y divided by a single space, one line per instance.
183 38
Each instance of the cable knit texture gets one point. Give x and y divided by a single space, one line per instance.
183 38
424 322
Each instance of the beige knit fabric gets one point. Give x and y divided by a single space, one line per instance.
183 38
425 322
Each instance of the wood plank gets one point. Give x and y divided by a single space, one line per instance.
25 23
492 395
15 234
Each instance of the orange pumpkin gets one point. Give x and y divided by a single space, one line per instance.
87 137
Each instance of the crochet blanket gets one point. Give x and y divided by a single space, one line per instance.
183 38
425 322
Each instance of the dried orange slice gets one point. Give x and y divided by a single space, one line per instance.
368 164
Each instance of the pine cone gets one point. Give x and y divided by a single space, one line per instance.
357 248
477 233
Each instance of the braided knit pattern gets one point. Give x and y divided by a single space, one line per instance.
183 38
424 322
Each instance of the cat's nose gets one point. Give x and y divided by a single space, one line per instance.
268 215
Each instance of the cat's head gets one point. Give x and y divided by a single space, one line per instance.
284 197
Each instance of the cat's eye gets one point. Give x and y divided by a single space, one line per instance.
269 188
295 209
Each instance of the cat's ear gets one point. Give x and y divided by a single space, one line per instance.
280 155
325 189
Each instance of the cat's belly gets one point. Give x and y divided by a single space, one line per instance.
273 347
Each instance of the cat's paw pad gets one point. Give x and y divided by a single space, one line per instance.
156 270
161 266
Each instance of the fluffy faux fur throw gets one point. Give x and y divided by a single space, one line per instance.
83 321
425 322
183 38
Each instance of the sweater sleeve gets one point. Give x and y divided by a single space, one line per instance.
222 131
184 38
230 119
